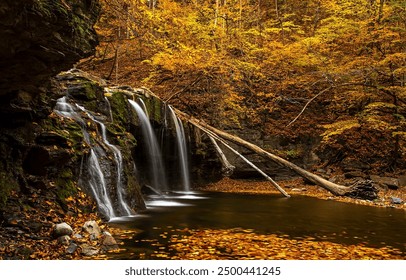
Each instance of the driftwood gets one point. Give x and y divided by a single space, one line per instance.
249 163
228 168
335 189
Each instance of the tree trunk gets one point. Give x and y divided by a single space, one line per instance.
331 187
228 168
282 191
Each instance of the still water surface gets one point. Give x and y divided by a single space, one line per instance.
296 217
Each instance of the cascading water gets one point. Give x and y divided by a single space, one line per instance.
96 175
144 107
118 161
97 181
182 149
98 186
109 108
158 174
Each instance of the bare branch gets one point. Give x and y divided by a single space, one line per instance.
307 104
386 91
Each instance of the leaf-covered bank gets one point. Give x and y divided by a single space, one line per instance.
300 187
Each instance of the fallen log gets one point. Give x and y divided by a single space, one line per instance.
356 191
335 189
282 191
228 168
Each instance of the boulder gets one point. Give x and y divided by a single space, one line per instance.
62 229
391 183
93 229
396 200
108 243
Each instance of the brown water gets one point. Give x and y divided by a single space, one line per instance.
297 217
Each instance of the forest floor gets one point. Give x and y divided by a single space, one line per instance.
298 187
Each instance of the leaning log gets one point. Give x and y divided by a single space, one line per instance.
279 188
362 190
330 186
228 168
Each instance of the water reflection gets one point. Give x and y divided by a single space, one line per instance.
297 217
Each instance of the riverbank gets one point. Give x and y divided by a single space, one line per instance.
298 187
27 228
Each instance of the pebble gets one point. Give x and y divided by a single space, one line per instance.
396 200
72 248
62 229
88 250
64 239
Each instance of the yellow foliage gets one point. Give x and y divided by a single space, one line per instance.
241 59
377 123
338 128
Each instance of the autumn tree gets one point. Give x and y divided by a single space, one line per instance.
333 68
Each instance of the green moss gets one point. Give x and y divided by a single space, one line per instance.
85 89
66 174
119 106
65 187
68 129
7 185
294 154
155 108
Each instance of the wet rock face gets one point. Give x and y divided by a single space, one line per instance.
38 40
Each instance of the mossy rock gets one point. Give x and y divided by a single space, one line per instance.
7 185
66 185
155 108
86 90
119 107
67 129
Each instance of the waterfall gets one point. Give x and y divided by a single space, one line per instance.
144 107
158 174
109 108
98 186
96 181
182 149
67 110
118 161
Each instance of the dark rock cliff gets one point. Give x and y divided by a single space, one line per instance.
39 38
